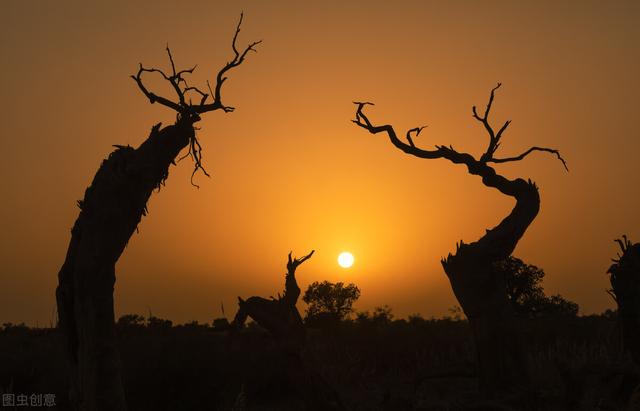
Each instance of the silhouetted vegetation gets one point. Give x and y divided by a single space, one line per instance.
374 361
371 360
480 290
526 293
328 302
625 290
280 317
112 207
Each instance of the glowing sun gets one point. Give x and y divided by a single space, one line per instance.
345 259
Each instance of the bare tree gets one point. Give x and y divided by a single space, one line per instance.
479 289
281 318
112 207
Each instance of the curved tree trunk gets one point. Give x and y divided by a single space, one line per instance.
481 291
111 209
110 212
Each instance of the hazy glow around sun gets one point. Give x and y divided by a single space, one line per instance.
345 259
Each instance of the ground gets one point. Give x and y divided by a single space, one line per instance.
374 365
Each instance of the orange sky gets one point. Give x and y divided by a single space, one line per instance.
291 172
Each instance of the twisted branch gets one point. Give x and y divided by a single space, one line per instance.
448 152
529 151
292 264
494 138
185 108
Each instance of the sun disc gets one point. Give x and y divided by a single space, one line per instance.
345 259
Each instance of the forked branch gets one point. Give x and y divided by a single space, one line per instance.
188 110
293 263
291 289
494 138
448 152
184 106
220 78
363 121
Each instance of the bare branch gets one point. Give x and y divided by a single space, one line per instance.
153 98
195 150
209 87
624 244
493 91
499 134
360 115
179 84
184 106
476 167
175 80
494 139
526 153
173 66
203 95
363 121
292 264
416 130
220 78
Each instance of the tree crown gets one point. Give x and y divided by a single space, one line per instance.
330 300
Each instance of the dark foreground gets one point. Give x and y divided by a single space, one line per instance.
373 364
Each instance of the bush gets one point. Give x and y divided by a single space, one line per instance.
524 289
329 302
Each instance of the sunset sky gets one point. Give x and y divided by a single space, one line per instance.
289 171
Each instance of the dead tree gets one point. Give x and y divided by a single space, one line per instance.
480 291
281 318
110 212
624 275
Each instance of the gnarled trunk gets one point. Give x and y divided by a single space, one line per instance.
111 209
482 293
281 318
478 286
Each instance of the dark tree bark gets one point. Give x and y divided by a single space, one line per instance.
625 290
281 318
111 210
479 289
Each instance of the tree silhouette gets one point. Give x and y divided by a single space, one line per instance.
624 275
329 301
281 318
475 283
112 207
525 291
